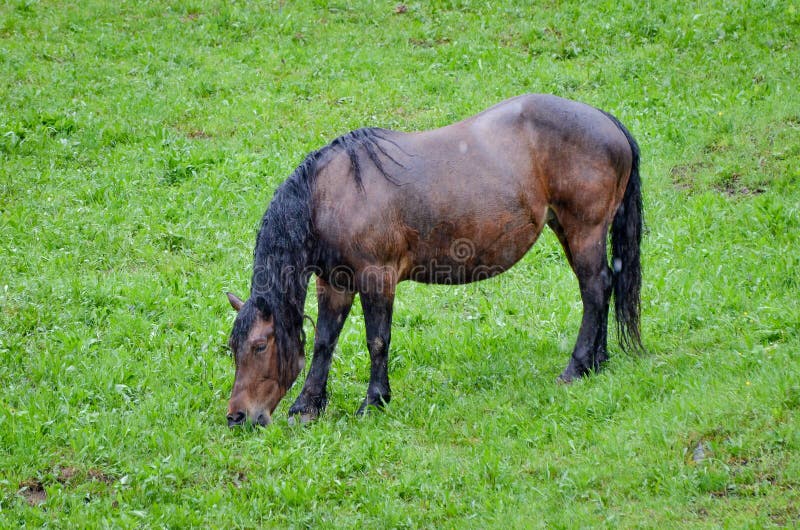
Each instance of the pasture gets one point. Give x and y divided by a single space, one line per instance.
140 143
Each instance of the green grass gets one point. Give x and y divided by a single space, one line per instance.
139 145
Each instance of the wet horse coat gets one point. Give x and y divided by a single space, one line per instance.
452 205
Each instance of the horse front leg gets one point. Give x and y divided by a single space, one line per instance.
333 307
378 320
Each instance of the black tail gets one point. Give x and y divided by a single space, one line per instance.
626 237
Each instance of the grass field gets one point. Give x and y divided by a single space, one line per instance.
140 143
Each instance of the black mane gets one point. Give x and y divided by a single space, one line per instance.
286 248
368 140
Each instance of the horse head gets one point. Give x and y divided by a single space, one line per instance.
264 372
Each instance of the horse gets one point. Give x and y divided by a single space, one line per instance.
452 205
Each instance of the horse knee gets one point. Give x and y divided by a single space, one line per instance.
324 343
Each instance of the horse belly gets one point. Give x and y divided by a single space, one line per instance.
449 256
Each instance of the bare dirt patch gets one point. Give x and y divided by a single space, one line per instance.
428 43
100 476
683 175
198 134
66 474
732 187
32 490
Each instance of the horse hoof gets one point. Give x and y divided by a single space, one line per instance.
302 419
567 377
564 379
377 403
366 408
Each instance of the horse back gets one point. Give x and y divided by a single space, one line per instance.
488 183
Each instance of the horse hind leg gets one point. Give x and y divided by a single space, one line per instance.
586 251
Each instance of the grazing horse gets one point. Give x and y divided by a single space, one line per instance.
448 206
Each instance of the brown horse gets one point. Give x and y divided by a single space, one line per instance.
452 205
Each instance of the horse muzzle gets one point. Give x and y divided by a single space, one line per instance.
241 417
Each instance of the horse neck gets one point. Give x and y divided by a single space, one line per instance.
285 250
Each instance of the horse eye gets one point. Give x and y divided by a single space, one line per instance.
261 348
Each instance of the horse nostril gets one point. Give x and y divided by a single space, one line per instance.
236 419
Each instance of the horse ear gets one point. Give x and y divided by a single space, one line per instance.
235 301
270 329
